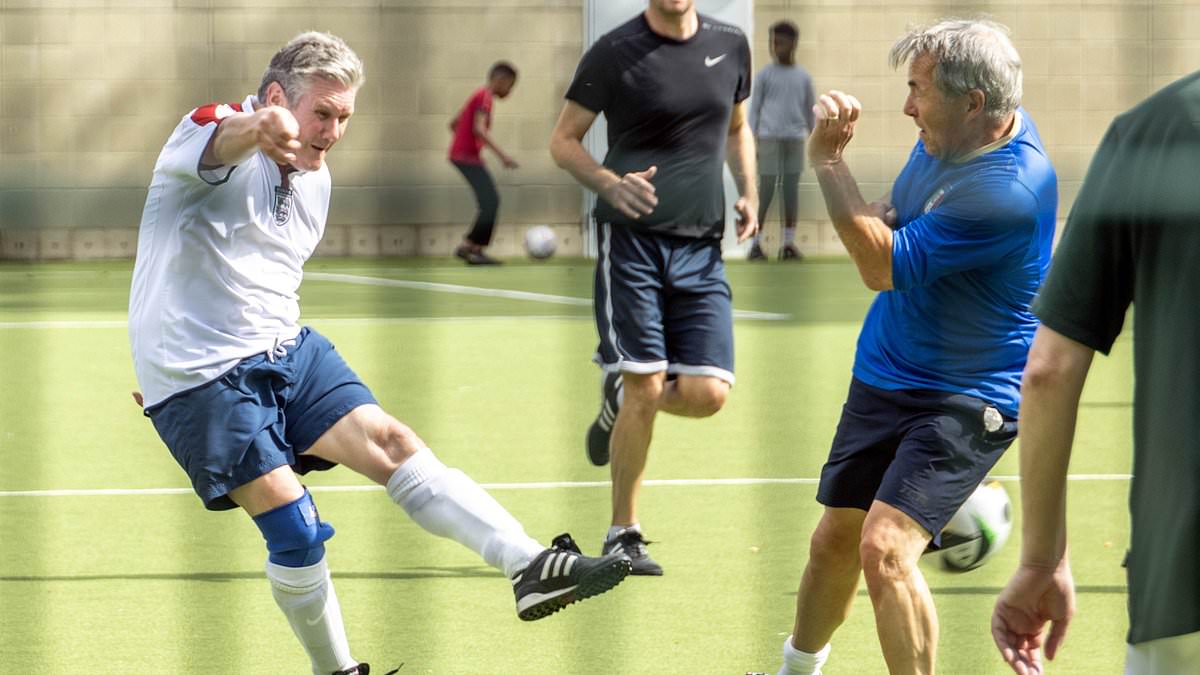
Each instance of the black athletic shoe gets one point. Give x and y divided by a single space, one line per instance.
790 252
561 575
756 253
365 669
633 544
600 432
475 257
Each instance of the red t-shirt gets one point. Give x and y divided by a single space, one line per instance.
466 146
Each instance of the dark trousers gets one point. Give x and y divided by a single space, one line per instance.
791 197
486 197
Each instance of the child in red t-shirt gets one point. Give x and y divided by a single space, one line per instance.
470 128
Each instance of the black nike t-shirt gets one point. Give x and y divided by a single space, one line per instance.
668 104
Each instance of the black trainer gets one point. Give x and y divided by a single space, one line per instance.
756 253
472 257
365 669
600 432
633 544
790 252
561 575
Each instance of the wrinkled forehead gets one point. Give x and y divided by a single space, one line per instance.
330 95
920 69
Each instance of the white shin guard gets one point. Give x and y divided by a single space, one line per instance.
306 596
449 504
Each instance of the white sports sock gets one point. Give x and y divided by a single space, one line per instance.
796 662
305 594
449 504
616 530
789 236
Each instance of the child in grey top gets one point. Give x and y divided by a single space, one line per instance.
781 116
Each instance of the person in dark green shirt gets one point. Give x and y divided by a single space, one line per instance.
1132 237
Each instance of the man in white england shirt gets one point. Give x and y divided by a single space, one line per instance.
246 399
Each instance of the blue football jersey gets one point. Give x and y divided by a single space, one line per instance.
972 244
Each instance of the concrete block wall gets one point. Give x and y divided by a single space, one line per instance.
89 90
1084 62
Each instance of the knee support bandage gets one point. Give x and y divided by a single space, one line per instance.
294 532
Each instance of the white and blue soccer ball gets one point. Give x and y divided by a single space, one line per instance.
540 242
978 530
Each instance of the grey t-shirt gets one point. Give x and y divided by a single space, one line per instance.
781 102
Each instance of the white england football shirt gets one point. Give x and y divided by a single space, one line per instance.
220 258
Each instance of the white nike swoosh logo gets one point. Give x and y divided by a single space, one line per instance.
710 62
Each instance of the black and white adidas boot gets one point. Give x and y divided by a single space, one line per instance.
561 575
600 432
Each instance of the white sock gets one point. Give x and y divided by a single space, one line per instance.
616 530
305 594
789 236
449 504
796 662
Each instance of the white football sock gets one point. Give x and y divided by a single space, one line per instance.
796 662
789 236
449 504
305 594
616 530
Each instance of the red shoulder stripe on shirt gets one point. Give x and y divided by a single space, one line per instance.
214 112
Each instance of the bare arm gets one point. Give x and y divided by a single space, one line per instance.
1050 391
272 129
1042 589
739 153
756 103
861 226
631 194
481 131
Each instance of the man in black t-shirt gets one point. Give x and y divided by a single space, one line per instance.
672 85
1133 237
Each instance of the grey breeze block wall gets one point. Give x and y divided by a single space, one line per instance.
89 90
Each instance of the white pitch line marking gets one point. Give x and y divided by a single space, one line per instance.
498 293
549 485
341 321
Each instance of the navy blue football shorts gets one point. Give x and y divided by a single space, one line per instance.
662 303
260 415
923 452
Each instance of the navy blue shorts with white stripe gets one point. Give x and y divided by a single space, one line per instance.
260 415
662 303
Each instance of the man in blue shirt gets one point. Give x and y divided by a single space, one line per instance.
957 256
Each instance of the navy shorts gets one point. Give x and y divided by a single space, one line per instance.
260 415
662 303
923 452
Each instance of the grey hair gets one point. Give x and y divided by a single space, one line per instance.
969 54
309 56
